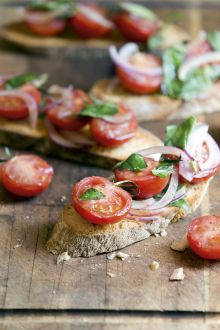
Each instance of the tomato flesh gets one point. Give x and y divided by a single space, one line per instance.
134 28
69 121
13 108
87 28
148 184
26 175
111 134
204 237
137 83
110 209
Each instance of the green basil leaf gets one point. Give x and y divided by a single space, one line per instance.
214 39
49 5
25 78
99 109
178 135
154 43
129 186
92 194
134 162
181 203
138 10
163 169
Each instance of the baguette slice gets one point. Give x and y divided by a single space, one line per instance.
19 134
80 238
157 106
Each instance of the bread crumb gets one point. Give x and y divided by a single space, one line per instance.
63 257
156 234
177 275
154 265
19 244
138 256
119 255
63 199
163 233
180 244
111 275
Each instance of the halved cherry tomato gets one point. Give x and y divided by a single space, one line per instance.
139 83
109 209
149 185
50 28
111 134
12 107
26 175
134 28
86 26
204 236
69 122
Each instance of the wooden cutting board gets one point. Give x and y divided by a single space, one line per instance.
30 278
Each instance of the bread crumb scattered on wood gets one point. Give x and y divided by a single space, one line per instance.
19 244
177 275
63 199
163 233
63 257
180 244
111 275
119 255
154 265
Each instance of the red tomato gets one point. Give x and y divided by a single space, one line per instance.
50 28
26 175
149 185
139 83
134 28
110 209
69 122
12 107
87 26
199 49
204 236
111 134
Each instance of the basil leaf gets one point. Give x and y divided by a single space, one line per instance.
181 203
163 169
129 186
25 78
214 39
99 109
154 43
91 194
138 10
134 162
49 5
178 135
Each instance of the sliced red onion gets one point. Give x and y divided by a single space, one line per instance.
195 62
94 15
45 17
179 194
202 36
66 97
162 150
120 119
57 138
28 100
140 205
196 138
77 137
122 57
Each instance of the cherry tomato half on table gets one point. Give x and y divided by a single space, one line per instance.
12 107
58 116
112 208
149 185
204 237
134 28
139 83
112 134
89 22
49 28
26 175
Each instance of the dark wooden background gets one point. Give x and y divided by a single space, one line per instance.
35 293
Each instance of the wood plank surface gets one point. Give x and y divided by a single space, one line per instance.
30 278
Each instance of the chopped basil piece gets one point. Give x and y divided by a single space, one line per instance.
49 5
25 78
91 194
181 203
138 10
178 135
163 169
134 162
214 39
129 186
99 109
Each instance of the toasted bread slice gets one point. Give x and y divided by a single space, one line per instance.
19 134
80 238
157 106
